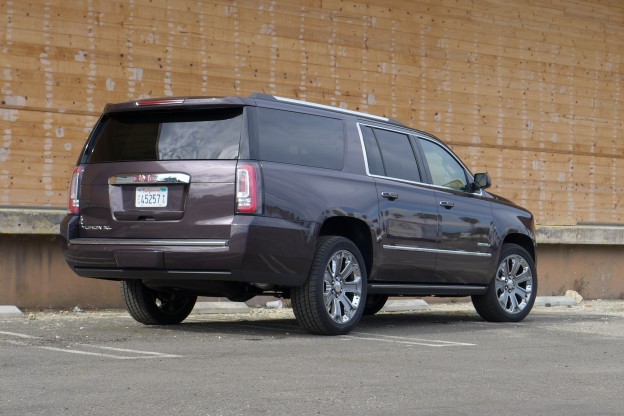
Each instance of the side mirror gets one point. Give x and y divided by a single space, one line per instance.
481 181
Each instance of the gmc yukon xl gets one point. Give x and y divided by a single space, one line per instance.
243 196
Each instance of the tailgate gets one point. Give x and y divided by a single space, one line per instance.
174 199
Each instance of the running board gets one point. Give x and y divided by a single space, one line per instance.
398 289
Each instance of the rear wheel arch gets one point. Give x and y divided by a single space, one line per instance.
355 230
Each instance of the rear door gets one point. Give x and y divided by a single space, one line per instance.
408 214
161 174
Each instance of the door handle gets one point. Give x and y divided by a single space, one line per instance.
447 204
390 195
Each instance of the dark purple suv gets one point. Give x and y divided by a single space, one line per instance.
334 209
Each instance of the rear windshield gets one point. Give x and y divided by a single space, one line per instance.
137 136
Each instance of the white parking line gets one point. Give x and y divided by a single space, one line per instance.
139 354
408 340
15 334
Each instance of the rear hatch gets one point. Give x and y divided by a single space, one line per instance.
163 171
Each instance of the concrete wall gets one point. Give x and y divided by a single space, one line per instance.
33 274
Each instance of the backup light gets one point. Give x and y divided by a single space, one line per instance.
247 189
74 190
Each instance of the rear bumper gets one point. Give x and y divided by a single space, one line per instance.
258 250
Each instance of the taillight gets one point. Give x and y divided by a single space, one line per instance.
248 192
74 190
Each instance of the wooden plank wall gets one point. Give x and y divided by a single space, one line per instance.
529 90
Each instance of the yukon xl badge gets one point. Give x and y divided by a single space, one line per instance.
93 227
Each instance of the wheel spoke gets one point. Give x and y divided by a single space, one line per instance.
525 276
504 268
348 269
328 297
354 287
331 268
348 305
514 303
336 312
515 265
521 292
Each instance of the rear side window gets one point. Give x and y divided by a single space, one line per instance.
136 136
390 154
300 139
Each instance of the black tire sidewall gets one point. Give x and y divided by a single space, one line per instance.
141 305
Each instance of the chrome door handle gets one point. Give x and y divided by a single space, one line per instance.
390 195
447 204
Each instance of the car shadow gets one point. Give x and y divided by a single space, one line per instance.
412 323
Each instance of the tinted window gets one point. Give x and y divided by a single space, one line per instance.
209 134
397 155
300 139
445 169
373 155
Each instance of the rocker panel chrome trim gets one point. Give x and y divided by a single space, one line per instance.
437 251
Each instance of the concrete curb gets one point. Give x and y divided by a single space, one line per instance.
8 311
554 301
405 305
204 308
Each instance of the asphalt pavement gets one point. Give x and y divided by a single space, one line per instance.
561 360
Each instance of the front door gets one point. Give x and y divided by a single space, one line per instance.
466 232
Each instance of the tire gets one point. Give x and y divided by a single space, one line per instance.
331 301
512 291
151 307
374 303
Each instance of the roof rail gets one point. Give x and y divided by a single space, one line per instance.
262 96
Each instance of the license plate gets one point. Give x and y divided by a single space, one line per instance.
151 196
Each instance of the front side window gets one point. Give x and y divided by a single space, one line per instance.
445 169
300 139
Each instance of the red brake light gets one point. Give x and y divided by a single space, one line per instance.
247 189
160 102
74 190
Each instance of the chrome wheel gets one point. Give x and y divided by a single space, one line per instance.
511 293
342 286
333 298
514 284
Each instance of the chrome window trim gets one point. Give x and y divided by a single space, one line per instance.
428 185
437 251
148 178
418 135
149 242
